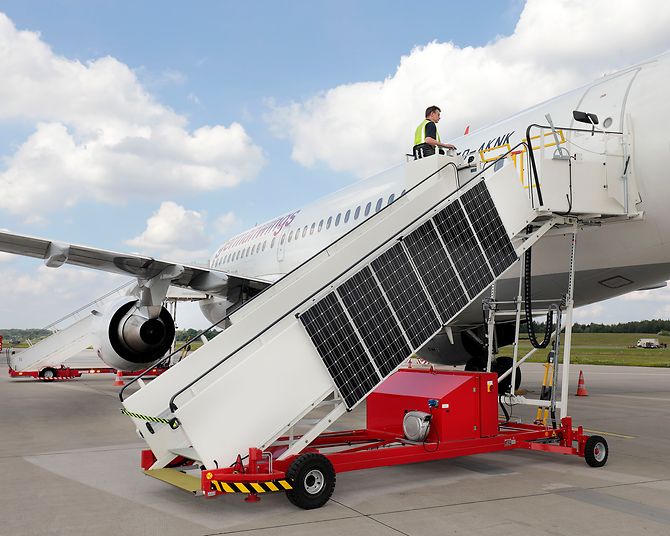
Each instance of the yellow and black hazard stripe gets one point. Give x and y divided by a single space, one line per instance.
250 487
172 423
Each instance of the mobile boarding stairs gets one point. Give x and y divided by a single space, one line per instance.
316 343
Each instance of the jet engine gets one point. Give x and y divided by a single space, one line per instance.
129 340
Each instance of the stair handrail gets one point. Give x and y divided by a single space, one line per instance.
93 302
173 406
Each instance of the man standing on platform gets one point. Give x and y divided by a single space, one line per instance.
426 137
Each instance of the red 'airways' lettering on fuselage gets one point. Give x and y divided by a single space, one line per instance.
274 227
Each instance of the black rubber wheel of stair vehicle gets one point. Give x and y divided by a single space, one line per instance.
313 480
596 451
48 374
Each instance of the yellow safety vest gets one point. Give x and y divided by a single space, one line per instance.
420 134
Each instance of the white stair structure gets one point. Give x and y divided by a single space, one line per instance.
56 348
66 342
330 331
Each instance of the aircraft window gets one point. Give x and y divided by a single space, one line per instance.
297 234
290 236
346 216
330 220
337 219
402 193
246 253
379 204
264 242
283 237
304 232
391 198
258 247
320 225
238 255
272 244
357 212
367 209
311 229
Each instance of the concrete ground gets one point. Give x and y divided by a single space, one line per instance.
69 465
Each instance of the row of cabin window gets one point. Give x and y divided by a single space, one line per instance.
295 235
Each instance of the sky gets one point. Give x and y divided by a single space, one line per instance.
165 127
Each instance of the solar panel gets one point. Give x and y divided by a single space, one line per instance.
489 228
408 299
341 349
374 321
463 248
436 271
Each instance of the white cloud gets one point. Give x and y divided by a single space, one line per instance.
588 313
175 233
40 295
225 222
367 126
98 134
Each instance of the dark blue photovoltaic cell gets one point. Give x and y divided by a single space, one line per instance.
408 299
374 321
463 248
489 228
340 348
435 270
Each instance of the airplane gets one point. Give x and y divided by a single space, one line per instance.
135 331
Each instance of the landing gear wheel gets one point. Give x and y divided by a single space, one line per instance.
596 451
475 364
503 364
313 479
48 374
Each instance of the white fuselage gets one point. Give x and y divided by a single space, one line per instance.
611 260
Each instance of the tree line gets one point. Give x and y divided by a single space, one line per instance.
18 336
638 326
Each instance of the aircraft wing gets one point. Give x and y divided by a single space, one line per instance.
56 254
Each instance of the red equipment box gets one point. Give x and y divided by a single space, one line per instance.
466 408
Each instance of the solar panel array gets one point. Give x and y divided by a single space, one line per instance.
373 321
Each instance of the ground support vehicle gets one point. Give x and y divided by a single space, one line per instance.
69 373
416 415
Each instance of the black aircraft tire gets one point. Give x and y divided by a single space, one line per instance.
503 364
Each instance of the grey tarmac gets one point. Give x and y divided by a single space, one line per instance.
69 465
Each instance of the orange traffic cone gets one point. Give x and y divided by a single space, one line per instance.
581 388
119 379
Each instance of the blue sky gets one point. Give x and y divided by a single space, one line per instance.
263 100
218 62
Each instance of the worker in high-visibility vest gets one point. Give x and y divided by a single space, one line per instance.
426 137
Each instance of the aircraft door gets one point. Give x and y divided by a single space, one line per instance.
608 101
281 247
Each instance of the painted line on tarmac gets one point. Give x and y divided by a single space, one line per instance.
650 398
602 499
612 434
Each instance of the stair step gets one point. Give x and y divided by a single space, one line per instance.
177 478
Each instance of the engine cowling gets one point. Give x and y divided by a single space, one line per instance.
130 341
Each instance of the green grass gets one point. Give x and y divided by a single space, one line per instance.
605 349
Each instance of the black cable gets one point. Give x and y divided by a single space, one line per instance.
568 197
503 408
437 433
549 325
